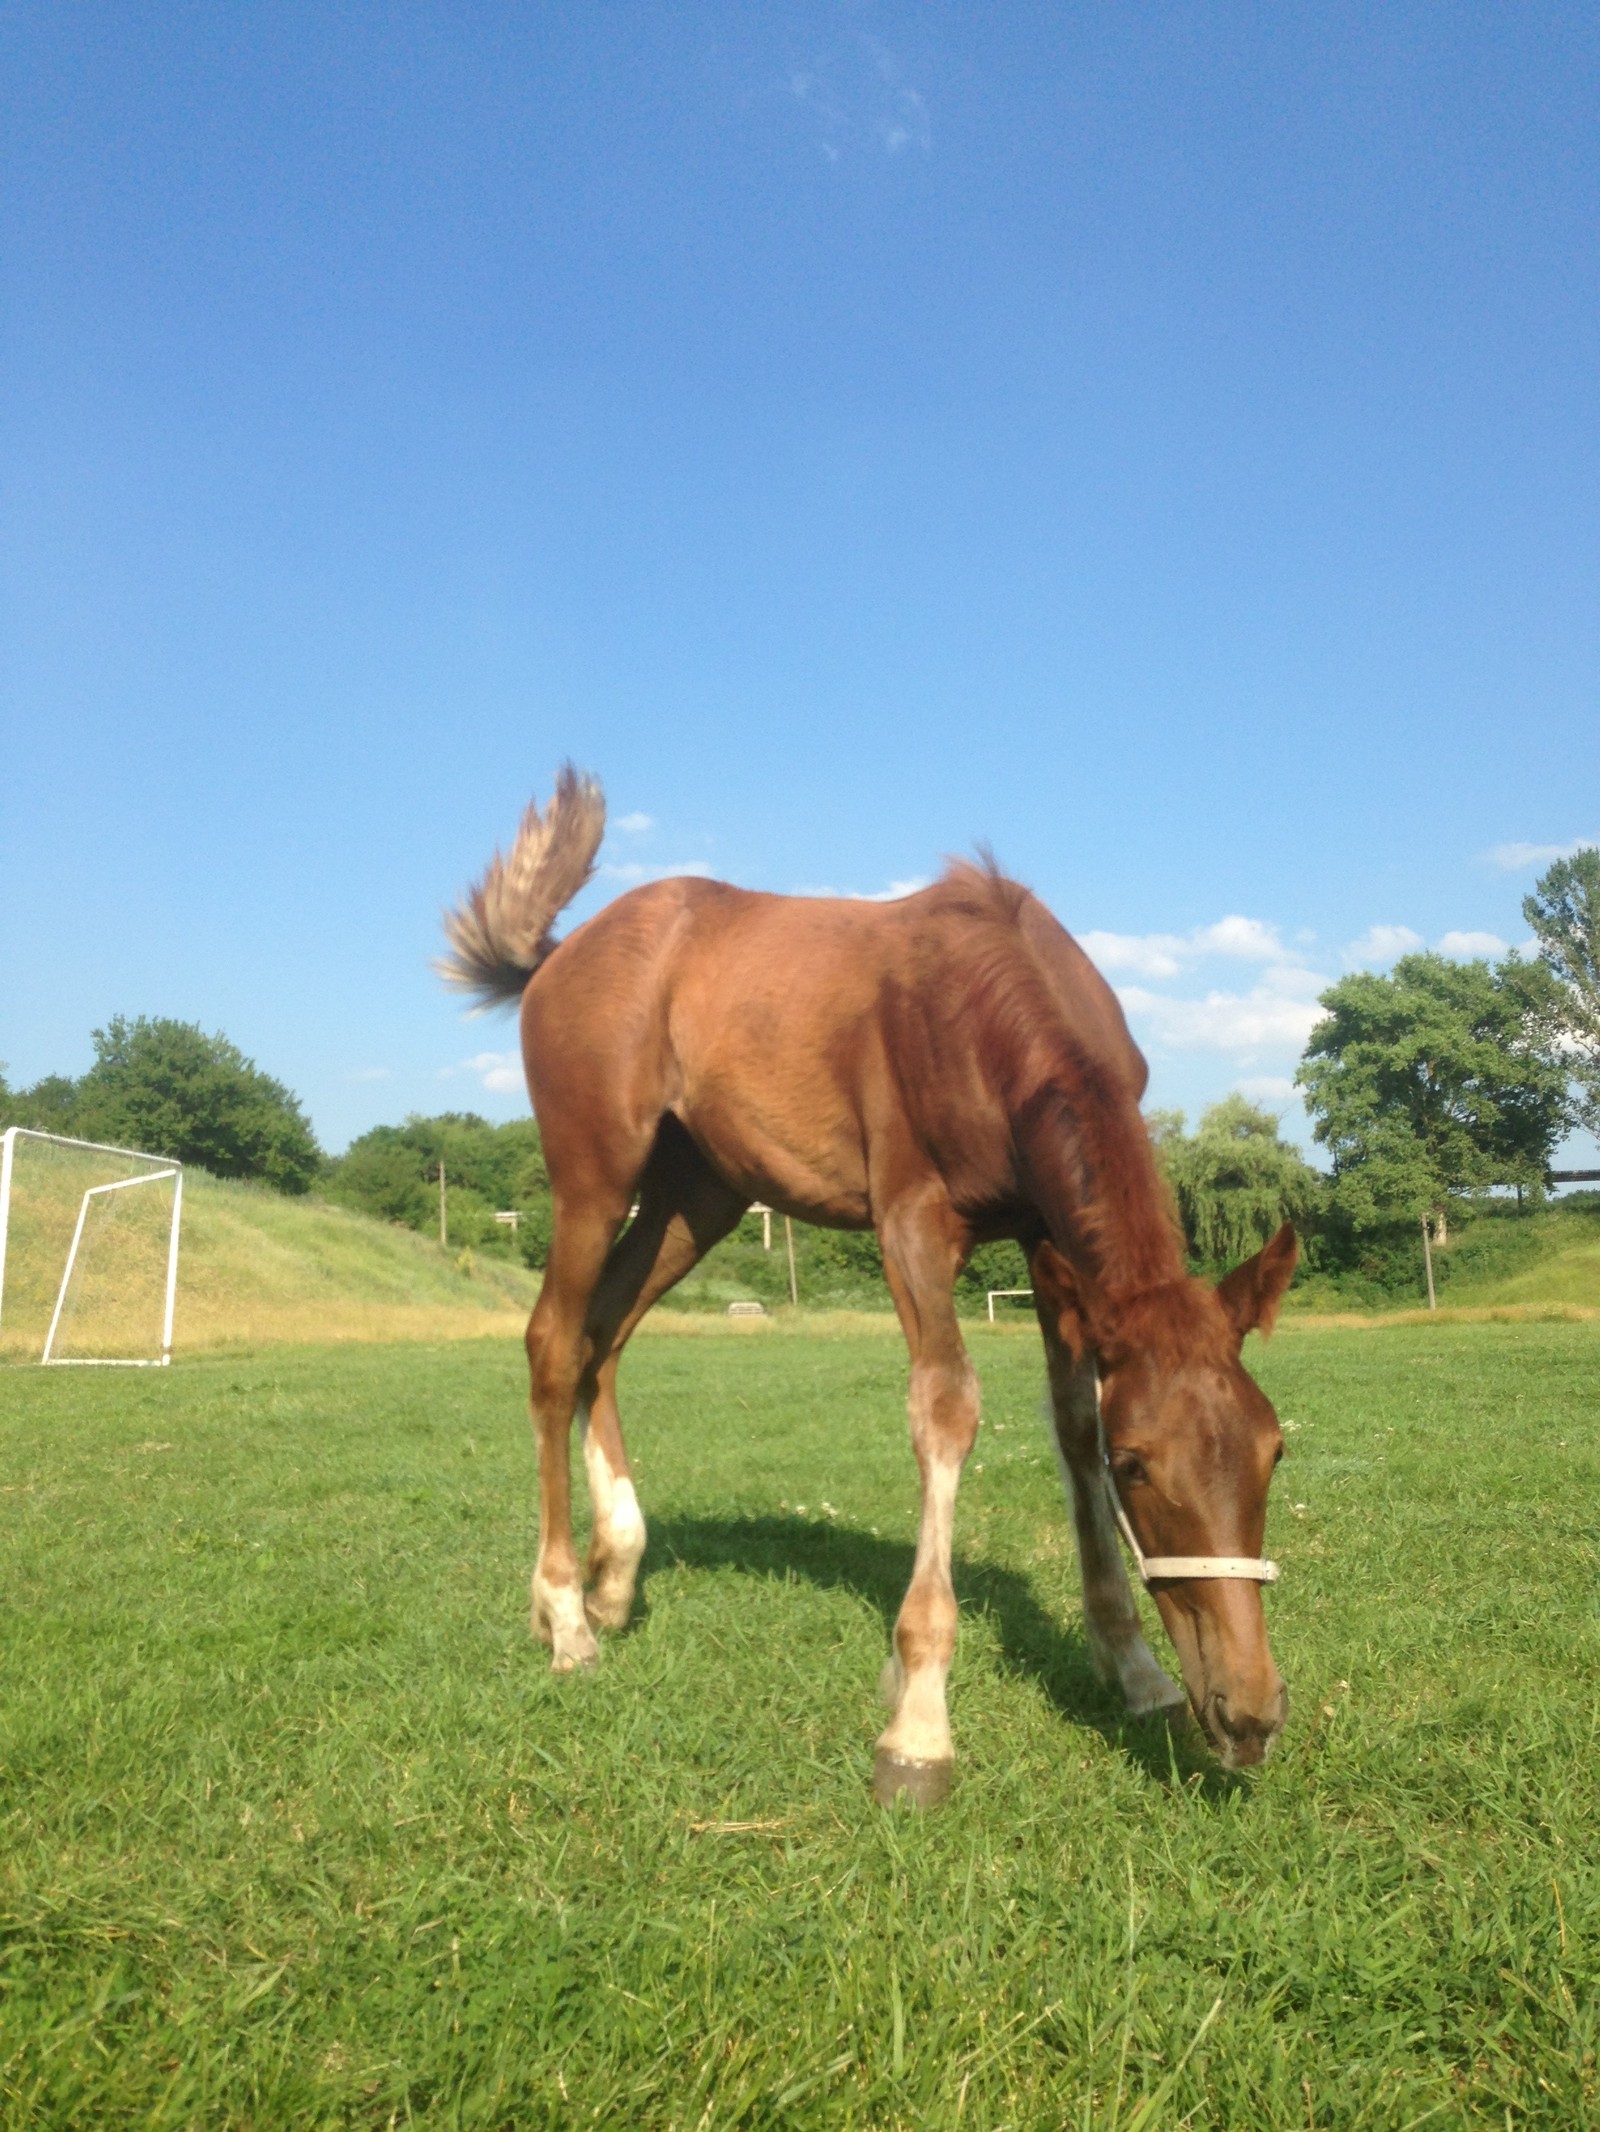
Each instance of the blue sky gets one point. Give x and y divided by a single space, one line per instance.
1160 440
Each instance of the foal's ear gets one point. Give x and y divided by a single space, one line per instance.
1058 1294
1252 1292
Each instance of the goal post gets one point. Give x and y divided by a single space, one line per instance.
88 1251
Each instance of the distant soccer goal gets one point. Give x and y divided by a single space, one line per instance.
88 1252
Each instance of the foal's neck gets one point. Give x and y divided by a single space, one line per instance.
1093 1175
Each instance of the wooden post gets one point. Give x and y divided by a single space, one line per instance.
788 1238
1427 1260
444 1235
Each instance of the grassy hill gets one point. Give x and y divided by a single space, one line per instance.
254 1268
259 1267
1497 1259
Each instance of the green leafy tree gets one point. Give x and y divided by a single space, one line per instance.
1236 1181
1564 911
1437 1079
167 1087
997 1265
49 1106
392 1172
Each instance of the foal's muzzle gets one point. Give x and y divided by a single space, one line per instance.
1243 1738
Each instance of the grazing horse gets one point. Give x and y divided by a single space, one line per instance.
944 1070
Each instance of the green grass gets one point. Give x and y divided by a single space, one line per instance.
297 1829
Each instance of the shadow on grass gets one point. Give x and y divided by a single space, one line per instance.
1032 1642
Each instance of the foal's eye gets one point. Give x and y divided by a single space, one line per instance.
1277 1456
1128 1468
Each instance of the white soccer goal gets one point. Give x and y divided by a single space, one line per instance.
88 1252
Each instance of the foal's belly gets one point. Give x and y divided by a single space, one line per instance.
785 1153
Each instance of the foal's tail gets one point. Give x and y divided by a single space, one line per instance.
500 931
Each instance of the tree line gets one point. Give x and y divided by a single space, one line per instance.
1426 1086
168 1088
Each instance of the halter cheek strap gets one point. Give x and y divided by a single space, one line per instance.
1249 1568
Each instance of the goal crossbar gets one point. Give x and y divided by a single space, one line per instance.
163 1168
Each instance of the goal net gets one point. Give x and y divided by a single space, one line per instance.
88 1251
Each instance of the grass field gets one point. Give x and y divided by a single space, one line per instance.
299 1830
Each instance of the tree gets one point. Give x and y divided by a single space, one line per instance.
1236 1181
170 1089
1564 911
1439 1078
392 1172
49 1106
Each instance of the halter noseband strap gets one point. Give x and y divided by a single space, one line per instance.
1251 1568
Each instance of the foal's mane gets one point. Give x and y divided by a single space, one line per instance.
1080 1136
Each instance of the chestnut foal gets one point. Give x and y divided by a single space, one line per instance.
944 1070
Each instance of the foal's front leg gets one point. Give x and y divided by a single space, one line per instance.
923 1243
1111 1622
915 1753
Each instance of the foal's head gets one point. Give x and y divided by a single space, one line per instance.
1192 1443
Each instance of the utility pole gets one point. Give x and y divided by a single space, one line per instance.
788 1238
1427 1260
444 1236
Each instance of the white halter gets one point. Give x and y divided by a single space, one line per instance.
1249 1567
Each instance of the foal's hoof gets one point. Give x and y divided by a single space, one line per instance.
897 1776
607 1613
574 1661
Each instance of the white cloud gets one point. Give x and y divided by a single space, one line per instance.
371 1073
1380 944
1512 858
1268 1089
499 1071
906 125
856 93
634 825
631 871
1291 980
1246 939
1471 947
1164 954
1269 1018
1145 954
891 894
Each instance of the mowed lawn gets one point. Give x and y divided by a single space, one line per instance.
297 1829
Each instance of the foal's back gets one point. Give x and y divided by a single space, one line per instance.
810 1044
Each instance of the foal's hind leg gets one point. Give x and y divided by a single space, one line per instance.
558 1354
1111 1620
923 1244
684 1208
